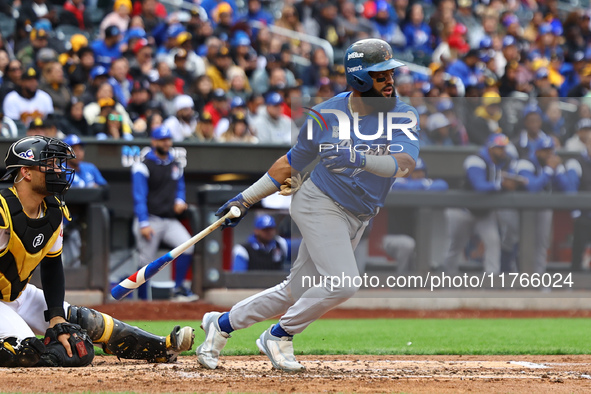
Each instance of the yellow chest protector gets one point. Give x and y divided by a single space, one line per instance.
30 241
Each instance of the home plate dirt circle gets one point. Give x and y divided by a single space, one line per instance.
333 374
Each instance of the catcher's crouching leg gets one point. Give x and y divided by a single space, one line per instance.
126 341
20 353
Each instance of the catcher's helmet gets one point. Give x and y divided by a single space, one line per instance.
50 154
367 55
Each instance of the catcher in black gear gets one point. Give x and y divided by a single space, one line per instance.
31 214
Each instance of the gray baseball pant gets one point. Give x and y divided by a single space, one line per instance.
461 223
400 247
330 236
167 230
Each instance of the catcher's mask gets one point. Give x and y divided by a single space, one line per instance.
49 154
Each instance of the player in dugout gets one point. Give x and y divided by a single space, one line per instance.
31 220
331 209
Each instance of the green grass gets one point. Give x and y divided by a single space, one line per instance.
428 336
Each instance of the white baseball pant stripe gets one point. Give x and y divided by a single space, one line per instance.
330 236
23 317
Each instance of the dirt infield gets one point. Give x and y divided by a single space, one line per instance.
332 374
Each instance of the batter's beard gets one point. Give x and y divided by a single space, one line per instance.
162 151
376 100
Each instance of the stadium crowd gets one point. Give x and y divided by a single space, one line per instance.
214 71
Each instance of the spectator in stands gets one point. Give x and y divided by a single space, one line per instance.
271 125
484 174
73 14
150 15
488 119
11 78
95 111
53 83
38 40
166 96
180 69
73 121
138 104
544 173
238 130
158 186
290 20
578 142
107 50
223 17
120 17
195 64
466 69
264 249
217 71
119 81
243 55
354 26
202 93
457 130
525 139
27 102
437 131
319 68
418 35
384 24
79 74
204 131
239 84
182 123
237 105
35 10
141 67
584 85
256 13
218 107
113 126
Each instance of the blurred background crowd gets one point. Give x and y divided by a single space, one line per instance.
229 71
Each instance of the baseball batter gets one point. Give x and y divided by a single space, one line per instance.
31 215
332 208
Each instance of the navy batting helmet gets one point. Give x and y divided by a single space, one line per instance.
50 154
367 55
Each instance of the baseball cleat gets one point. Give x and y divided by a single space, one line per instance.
183 294
208 353
279 351
180 340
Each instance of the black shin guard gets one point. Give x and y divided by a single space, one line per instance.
24 353
119 338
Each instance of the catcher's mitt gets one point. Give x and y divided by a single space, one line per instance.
293 184
56 356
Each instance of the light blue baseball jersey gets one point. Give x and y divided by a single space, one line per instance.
355 189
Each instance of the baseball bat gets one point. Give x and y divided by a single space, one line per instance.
137 279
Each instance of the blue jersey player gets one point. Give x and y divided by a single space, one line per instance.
360 157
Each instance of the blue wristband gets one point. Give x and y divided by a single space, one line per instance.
274 181
395 162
